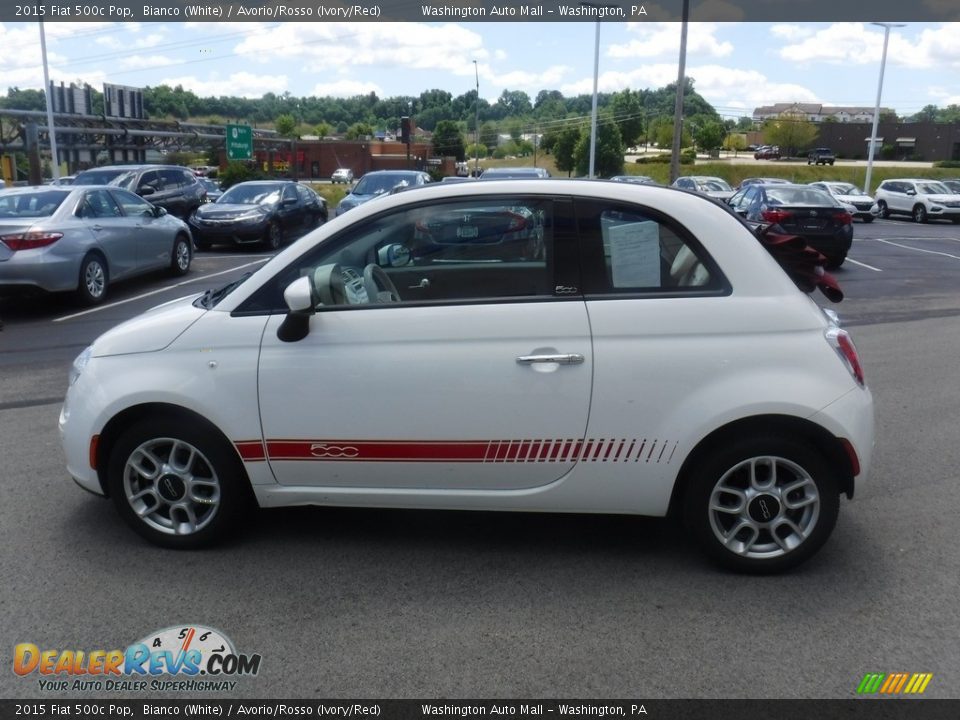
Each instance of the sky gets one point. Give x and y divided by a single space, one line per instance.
736 66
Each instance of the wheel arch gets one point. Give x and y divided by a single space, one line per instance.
824 441
126 418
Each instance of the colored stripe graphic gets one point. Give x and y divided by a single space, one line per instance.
894 683
552 450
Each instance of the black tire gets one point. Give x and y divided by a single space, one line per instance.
181 256
884 210
94 279
868 218
274 236
919 214
725 470
218 499
956 220
835 261
202 245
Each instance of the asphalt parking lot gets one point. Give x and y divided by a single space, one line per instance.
366 603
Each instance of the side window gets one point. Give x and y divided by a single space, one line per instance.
151 178
289 192
469 250
629 249
133 205
99 204
306 196
171 179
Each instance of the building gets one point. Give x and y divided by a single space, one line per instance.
815 112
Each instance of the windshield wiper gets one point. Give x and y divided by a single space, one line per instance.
212 296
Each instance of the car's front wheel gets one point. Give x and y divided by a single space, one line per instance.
868 218
274 235
762 504
884 210
176 482
919 214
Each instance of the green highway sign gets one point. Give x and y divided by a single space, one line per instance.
239 142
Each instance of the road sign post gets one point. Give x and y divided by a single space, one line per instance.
239 141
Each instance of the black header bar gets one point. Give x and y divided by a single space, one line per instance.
477 11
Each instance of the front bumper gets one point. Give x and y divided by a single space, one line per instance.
237 233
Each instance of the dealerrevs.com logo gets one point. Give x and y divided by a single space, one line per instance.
186 658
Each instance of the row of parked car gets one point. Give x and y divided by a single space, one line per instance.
823 211
82 233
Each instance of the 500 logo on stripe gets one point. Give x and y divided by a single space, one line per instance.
344 451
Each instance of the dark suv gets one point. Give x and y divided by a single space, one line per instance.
171 187
821 156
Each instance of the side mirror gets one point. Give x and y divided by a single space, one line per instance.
299 299
146 190
393 255
159 211
911 192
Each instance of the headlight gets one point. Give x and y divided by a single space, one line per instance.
256 215
79 364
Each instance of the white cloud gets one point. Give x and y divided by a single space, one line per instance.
137 62
346 88
657 39
791 32
242 84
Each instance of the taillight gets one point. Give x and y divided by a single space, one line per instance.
843 217
841 342
30 240
517 222
776 216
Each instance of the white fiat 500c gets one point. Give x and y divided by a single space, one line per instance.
528 345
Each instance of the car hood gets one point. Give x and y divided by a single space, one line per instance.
943 198
854 198
224 211
150 331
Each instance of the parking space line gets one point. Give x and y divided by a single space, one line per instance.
862 264
158 290
907 247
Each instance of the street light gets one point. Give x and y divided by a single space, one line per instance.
476 125
596 73
678 101
55 164
876 108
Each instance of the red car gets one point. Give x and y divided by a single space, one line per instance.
767 152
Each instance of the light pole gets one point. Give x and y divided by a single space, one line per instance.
678 105
54 164
476 124
596 74
876 108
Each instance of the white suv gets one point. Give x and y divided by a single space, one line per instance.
501 345
921 199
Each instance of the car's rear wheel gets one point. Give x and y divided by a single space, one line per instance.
919 214
868 218
884 210
181 256
762 504
176 482
94 279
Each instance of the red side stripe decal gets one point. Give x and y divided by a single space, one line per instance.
556 450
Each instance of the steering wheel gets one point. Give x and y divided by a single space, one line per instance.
379 286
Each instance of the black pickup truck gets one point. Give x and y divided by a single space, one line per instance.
821 156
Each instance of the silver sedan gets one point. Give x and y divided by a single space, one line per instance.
82 238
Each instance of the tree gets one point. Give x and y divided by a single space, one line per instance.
735 141
489 135
322 129
627 110
710 135
661 132
563 147
609 151
285 125
358 130
792 132
476 150
448 140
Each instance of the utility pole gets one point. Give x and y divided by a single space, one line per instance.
876 108
476 125
55 160
678 107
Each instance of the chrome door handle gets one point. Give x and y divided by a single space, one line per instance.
97 228
567 359
424 283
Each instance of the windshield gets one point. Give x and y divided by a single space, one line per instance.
798 196
35 204
376 184
255 194
714 185
845 189
97 177
933 188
